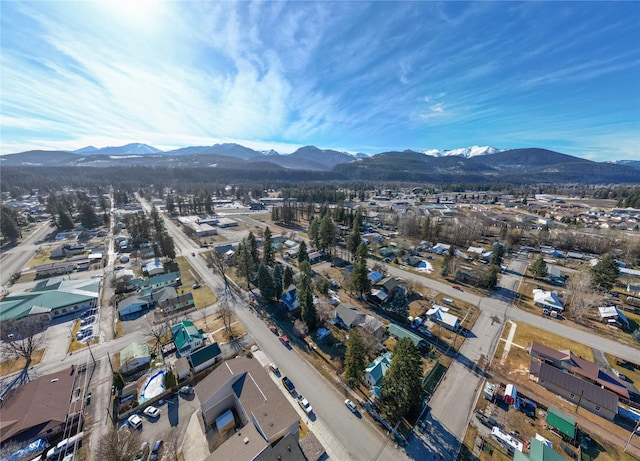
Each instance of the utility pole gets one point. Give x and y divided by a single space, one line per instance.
635 429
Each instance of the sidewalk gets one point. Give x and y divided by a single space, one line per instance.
334 449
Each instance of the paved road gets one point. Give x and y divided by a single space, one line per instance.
354 439
14 259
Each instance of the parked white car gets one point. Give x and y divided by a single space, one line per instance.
152 412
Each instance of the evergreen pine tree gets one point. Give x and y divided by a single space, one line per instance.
539 268
354 359
268 255
302 253
402 384
305 299
360 282
288 278
265 283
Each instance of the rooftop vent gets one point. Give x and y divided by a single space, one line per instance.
246 440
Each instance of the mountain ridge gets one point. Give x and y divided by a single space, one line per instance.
530 165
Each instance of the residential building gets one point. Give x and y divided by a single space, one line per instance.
568 361
133 305
186 337
205 357
290 298
348 315
441 316
134 357
548 300
538 451
614 317
247 415
158 281
400 332
590 396
376 370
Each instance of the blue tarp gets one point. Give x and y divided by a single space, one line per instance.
32 449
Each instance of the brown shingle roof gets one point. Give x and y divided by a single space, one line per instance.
39 405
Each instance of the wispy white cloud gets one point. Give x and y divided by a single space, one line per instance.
356 75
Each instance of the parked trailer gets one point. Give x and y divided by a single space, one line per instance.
509 443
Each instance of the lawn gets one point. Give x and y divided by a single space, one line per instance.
17 364
518 358
202 296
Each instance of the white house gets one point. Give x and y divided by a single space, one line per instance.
440 315
548 300
612 316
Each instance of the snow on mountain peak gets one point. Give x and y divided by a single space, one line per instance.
466 152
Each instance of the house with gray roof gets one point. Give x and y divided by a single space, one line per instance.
584 393
262 417
348 315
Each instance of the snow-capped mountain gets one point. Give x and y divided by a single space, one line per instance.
466 152
129 149
270 152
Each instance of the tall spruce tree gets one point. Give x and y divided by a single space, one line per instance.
288 278
402 384
360 282
302 253
268 255
305 299
277 281
539 268
355 359
252 246
265 283
244 261
605 273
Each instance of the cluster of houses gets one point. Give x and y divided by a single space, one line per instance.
159 290
578 380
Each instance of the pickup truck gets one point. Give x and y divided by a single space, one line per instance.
288 384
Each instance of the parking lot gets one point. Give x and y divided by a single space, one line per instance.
175 412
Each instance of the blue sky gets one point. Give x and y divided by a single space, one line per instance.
354 76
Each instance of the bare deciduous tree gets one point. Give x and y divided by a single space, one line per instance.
300 328
157 333
226 314
324 310
581 297
217 263
118 445
21 339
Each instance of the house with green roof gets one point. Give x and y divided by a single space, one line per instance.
400 332
134 357
205 357
376 370
186 337
538 451
51 299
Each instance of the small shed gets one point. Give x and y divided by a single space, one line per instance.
225 421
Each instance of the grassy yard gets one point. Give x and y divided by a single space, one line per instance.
202 296
13 365
632 375
213 324
517 360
